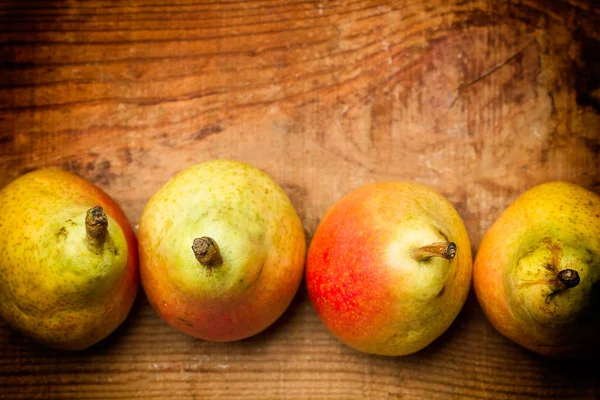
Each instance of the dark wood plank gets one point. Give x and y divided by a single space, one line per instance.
478 99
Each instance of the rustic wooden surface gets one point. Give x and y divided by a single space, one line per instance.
479 99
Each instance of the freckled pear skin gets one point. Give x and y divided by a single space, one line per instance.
380 271
59 285
537 272
222 251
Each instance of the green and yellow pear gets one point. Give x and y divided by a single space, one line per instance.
221 251
68 260
537 272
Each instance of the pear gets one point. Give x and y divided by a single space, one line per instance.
537 272
221 251
68 260
389 268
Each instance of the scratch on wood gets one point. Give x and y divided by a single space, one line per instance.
486 74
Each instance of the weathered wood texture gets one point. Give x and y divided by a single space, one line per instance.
479 99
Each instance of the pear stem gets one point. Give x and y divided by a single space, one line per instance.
445 250
207 252
96 226
567 279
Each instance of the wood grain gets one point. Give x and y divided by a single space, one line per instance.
478 99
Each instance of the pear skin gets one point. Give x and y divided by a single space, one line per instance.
68 260
389 268
221 251
537 272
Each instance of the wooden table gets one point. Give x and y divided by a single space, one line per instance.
478 99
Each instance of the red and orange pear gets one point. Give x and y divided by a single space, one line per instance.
389 268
